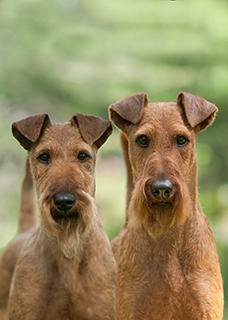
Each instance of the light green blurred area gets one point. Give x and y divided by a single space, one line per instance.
66 56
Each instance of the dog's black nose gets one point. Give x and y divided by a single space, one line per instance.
161 190
64 202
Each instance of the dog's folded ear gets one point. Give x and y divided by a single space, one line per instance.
199 112
27 131
128 110
94 130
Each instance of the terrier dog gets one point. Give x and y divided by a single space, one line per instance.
66 269
167 261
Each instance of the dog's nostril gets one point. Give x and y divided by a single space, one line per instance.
167 192
161 190
64 202
155 192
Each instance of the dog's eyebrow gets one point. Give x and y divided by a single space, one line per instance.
147 130
180 130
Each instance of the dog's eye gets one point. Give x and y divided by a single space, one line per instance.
182 140
44 158
82 157
143 140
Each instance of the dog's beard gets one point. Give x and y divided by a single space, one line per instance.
157 217
71 241
71 232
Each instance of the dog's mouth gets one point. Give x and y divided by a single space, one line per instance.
61 215
161 204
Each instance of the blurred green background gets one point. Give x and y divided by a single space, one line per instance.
67 56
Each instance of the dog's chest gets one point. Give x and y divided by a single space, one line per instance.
165 292
69 302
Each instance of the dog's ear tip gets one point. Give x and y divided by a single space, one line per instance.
128 111
28 130
106 133
145 96
199 112
94 130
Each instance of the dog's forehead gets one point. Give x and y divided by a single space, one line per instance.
64 130
163 111
161 118
63 134
162 114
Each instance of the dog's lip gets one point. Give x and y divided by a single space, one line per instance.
161 203
57 214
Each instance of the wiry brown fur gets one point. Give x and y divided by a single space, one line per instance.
27 221
167 261
124 143
66 269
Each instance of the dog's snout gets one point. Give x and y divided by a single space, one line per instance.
161 190
64 202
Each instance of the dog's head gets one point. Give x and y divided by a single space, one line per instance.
161 148
62 160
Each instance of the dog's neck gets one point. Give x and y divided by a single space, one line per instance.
163 246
